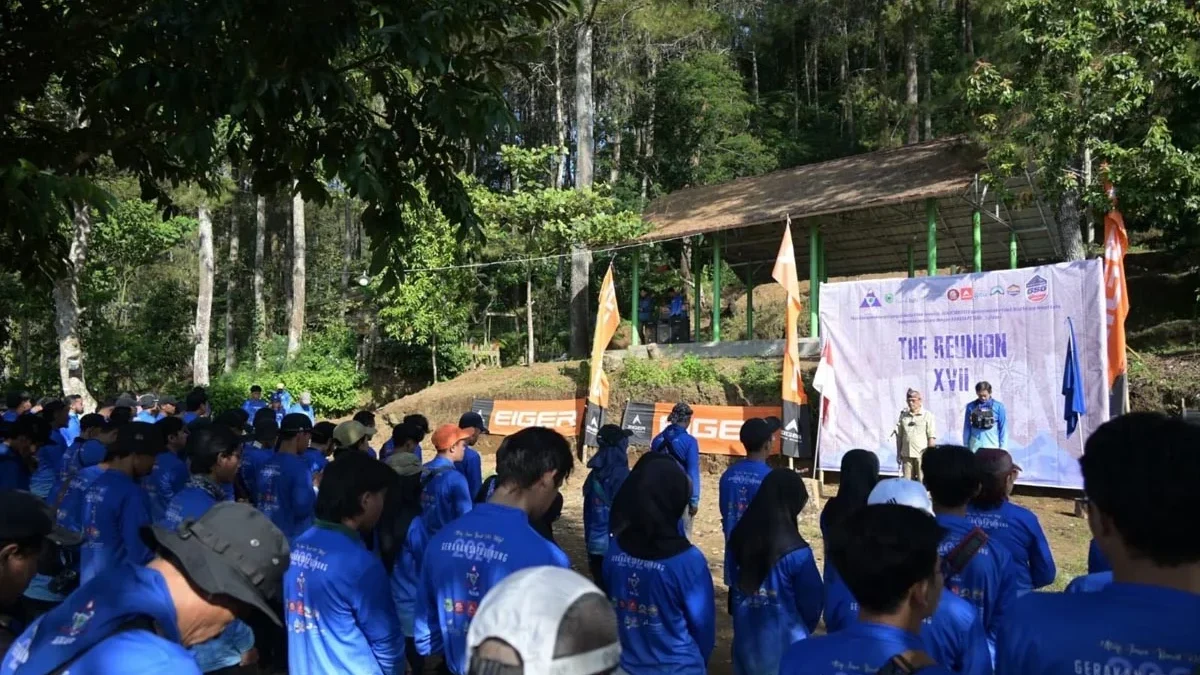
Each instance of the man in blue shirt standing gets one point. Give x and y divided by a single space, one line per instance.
1013 527
138 620
18 403
741 481
685 450
887 554
283 488
256 452
340 615
471 465
195 405
18 458
74 413
147 409
445 495
985 421
471 555
1140 473
304 406
255 402
170 472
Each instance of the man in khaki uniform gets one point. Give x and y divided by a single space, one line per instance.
915 431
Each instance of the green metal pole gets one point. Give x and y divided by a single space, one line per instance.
912 263
822 274
696 289
635 319
977 239
716 292
931 235
1012 249
814 276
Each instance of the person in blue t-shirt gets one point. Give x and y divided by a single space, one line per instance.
777 591
472 554
471 465
677 305
985 578
366 419
402 546
43 482
658 582
1140 473
283 486
28 536
257 452
138 620
740 482
17 403
74 416
304 406
19 457
115 507
195 405
406 437
58 416
170 472
256 401
1096 560
420 422
89 449
1090 583
319 451
445 494
147 409
1015 528
340 618
277 407
676 442
649 332
985 420
887 555
609 469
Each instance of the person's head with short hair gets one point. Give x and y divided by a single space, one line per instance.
214 451
93 427
913 398
510 632
322 435
136 449
19 402
295 433
887 554
997 475
419 421
531 466
1140 473
174 433
681 415
405 437
234 419
450 441
365 418
56 413
148 403
951 476
983 390
758 435
168 405
352 435
196 401
353 489
27 434
266 431
473 422
255 392
26 523
266 413
75 404
274 403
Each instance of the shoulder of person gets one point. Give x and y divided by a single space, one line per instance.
144 653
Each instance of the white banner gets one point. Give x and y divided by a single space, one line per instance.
942 335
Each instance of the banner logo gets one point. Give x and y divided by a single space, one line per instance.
527 418
1014 290
997 290
1037 289
870 301
966 293
952 294
508 417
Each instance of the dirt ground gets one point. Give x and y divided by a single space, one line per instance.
1068 536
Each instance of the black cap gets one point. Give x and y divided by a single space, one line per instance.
294 423
147 401
125 402
322 432
472 420
231 419
24 516
265 430
93 421
232 550
611 434
756 431
407 431
139 438
168 400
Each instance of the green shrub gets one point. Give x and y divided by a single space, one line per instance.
644 373
761 380
694 370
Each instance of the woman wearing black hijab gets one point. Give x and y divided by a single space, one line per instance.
658 582
859 474
777 591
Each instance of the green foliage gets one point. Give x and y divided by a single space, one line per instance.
694 370
644 373
761 380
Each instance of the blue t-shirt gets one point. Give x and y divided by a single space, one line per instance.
996 437
306 410
685 450
169 476
471 467
71 431
666 615
254 456
91 614
738 486
70 509
338 620
861 648
114 510
987 580
147 417
253 405
189 503
316 460
1017 530
597 509
406 575
465 560
954 636
283 491
14 471
786 609
1097 561
445 495
44 480
1125 628
1090 583
70 464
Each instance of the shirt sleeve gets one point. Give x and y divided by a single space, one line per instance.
810 591
1042 570
377 617
930 426
693 468
976 657
699 604
475 472
135 515
427 627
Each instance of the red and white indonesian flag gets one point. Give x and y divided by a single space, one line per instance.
823 381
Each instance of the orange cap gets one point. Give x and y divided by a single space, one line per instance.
448 434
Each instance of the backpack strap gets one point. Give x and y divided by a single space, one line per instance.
907 663
140 622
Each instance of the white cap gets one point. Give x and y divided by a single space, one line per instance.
901 491
525 611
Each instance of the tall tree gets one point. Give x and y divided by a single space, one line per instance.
231 285
912 104
204 298
260 304
66 311
585 117
299 274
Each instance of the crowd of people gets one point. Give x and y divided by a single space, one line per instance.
147 537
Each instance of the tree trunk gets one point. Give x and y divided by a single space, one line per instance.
296 324
1068 216
648 143
260 305
614 172
968 39
530 353
347 254
230 288
881 66
581 269
754 74
911 84
433 356
843 81
66 312
560 117
927 94
584 107
204 299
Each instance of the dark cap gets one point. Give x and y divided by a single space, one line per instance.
756 431
168 400
472 420
125 402
265 430
322 432
231 419
139 438
680 412
93 421
276 398
295 423
232 550
611 434
994 461
24 516
147 401
407 431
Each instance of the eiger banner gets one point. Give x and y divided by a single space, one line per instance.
607 320
795 433
504 418
716 427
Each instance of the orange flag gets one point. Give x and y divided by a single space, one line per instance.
608 317
795 401
1116 243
